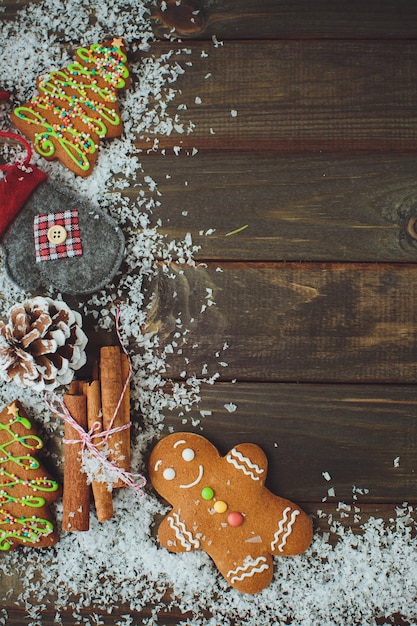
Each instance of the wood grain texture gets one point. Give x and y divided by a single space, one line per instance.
269 19
289 322
310 208
307 133
352 432
291 97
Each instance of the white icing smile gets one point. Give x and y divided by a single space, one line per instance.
196 481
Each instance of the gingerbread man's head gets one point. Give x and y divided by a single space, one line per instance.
181 462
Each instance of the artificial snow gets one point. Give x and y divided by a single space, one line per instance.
357 579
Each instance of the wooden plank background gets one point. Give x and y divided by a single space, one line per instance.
316 295
338 97
268 19
291 322
296 208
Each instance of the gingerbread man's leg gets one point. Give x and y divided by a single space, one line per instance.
250 574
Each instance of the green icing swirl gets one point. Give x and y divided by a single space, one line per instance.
66 96
76 149
31 529
27 441
76 105
24 529
109 63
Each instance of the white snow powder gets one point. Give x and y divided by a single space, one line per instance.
360 578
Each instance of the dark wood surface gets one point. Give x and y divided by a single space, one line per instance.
269 19
292 321
304 205
295 208
291 97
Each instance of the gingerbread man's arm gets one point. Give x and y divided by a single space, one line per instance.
174 534
250 460
292 530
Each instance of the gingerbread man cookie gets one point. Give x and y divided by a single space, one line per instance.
220 505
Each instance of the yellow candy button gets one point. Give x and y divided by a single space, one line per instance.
57 234
220 506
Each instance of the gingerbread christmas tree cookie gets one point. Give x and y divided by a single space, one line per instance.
77 106
26 489
220 505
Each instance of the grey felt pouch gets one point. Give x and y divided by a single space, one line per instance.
61 241
51 238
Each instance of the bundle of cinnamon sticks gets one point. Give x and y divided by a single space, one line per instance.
93 404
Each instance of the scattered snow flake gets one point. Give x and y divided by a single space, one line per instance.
342 506
197 100
326 476
230 407
233 113
331 492
216 42
396 461
382 557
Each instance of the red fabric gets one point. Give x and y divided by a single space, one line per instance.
15 189
4 95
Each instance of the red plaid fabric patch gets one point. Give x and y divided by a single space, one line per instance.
57 236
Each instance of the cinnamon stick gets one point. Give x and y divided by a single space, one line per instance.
112 379
76 496
102 496
125 444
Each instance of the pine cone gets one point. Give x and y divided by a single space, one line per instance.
41 344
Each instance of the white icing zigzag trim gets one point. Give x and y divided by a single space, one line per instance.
247 464
182 534
249 569
281 528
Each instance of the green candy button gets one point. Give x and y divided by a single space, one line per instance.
207 493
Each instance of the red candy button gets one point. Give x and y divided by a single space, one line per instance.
235 519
